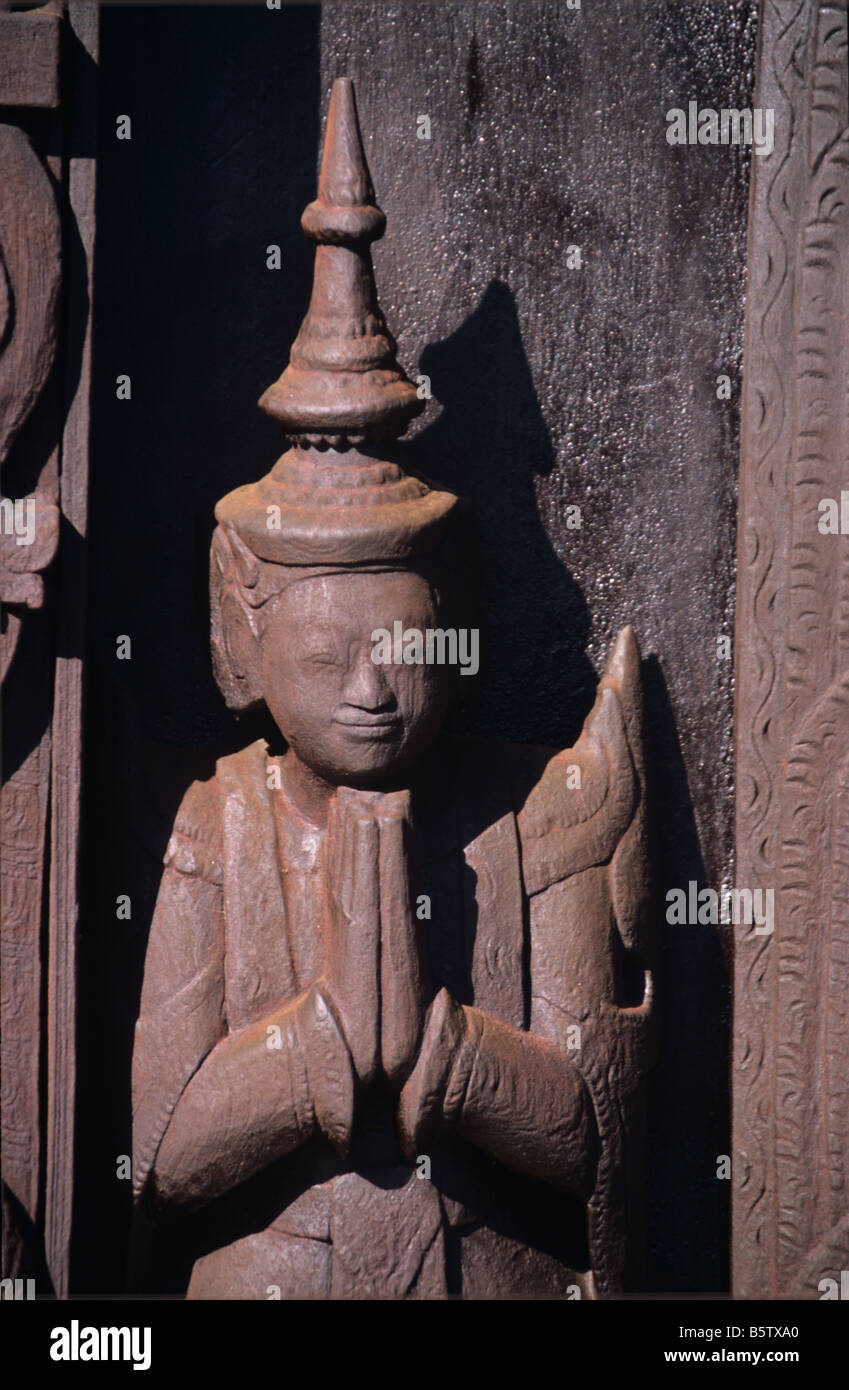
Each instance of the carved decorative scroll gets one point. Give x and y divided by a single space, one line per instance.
30 280
791 1082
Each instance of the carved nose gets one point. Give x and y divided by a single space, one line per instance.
366 687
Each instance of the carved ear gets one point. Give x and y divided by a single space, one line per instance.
236 661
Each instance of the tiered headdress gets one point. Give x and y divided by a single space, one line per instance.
339 496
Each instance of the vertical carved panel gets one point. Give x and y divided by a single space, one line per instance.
791 1083
46 241
66 769
30 285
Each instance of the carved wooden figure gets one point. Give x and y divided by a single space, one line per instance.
398 1002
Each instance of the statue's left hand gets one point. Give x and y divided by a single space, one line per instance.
518 1097
422 1101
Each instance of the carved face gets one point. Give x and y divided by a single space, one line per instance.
350 719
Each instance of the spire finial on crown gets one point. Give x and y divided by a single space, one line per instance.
340 495
343 385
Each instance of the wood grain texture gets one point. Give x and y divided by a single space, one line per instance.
30 336
30 267
23 817
791 1102
29 56
68 695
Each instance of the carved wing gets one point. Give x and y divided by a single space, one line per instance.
600 826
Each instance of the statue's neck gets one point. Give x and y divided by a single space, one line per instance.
307 790
310 794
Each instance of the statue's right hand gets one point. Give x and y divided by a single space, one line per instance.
352 926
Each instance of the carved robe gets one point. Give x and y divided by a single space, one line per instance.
539 920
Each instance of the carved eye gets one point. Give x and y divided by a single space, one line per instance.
321 658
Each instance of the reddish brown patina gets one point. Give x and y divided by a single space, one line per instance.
398 1001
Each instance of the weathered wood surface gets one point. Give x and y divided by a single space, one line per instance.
29 56
791 1081
47 229
30 286
68 738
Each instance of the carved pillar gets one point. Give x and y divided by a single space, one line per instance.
791 1084
46 239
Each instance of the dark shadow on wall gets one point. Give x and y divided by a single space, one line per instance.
488 444
688 1103
224 105
538 685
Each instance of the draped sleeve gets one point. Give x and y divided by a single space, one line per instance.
182 1004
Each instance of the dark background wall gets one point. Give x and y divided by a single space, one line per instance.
553 386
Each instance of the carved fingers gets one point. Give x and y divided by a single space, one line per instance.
352 926
421 1108
330 1079
375 968
402 957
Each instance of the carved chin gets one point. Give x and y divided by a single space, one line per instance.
360 754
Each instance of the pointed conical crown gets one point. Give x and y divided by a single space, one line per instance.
340 496
343 382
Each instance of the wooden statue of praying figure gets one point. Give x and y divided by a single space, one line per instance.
398 1005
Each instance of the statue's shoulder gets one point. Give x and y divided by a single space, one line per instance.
196 844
